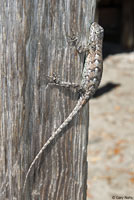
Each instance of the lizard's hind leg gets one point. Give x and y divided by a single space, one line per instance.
54 80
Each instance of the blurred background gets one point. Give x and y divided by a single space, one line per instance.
111 133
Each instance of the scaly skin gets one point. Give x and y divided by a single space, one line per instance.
91 78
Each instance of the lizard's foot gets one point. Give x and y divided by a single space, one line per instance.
53 79
75 41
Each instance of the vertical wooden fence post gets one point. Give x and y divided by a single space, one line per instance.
33 44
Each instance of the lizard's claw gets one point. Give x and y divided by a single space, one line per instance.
53 79
72 40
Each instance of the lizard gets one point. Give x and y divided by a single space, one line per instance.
91 77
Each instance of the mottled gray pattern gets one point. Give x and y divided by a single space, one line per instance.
91 77
93 67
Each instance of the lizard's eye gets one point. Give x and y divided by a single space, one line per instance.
93 47
97 31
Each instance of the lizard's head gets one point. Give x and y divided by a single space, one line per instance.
96 32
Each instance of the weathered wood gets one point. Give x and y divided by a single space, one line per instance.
33 44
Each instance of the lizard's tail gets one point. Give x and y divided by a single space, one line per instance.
78 106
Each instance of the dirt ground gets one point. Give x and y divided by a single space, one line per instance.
111 133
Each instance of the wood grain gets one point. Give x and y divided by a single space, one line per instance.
33 44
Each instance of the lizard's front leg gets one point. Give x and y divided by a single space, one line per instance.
75 41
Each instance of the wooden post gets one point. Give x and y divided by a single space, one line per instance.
33 44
